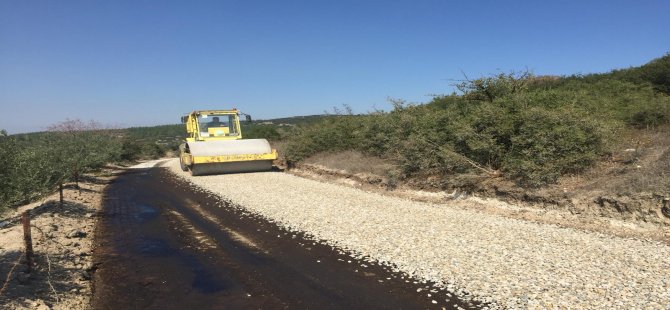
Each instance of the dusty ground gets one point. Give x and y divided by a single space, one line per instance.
62 239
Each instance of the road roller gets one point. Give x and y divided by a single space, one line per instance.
214 145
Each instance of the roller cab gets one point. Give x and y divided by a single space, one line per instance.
214 145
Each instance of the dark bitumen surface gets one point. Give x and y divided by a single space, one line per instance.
161 244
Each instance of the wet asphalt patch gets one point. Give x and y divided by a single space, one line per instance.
161 244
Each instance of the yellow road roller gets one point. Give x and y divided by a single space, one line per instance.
214 145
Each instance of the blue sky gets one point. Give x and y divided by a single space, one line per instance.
140 63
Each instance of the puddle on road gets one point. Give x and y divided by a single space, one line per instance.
145 213
155 247
203 281
207 284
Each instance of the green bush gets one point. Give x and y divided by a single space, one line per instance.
533 130
32 165
548 144
152 150
8 154
130 150
335 133
29 168
260 131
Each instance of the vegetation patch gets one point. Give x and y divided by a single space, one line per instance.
34 165
529 129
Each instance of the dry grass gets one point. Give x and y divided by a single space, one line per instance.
647 169
653 176
639 164
352 162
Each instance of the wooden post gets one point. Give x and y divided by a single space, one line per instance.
27 238
60 189
76 177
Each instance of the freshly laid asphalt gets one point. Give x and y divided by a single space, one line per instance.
162 244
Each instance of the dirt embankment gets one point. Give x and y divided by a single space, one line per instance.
631 184
624 196
62 242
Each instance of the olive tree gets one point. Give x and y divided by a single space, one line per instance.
82 146
7 156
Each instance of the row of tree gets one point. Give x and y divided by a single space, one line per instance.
33 165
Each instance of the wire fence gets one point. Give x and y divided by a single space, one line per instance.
27 256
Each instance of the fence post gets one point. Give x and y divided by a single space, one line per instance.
60 189
27 238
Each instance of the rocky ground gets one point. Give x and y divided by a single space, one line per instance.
476 254
62 238
622 225
626 193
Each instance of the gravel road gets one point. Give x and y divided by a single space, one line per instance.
512 263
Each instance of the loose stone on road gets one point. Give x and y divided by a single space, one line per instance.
514 263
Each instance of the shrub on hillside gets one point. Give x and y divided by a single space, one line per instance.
548 144
497 86
498 124
334 133
533 129
657 72
260 131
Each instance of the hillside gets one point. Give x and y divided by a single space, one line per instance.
590 143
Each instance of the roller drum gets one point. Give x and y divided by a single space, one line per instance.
230 147
231 167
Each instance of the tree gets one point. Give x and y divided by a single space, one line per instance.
82 145
3 133
497 86
28 169
8 152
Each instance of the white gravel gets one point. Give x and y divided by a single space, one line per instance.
516 264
